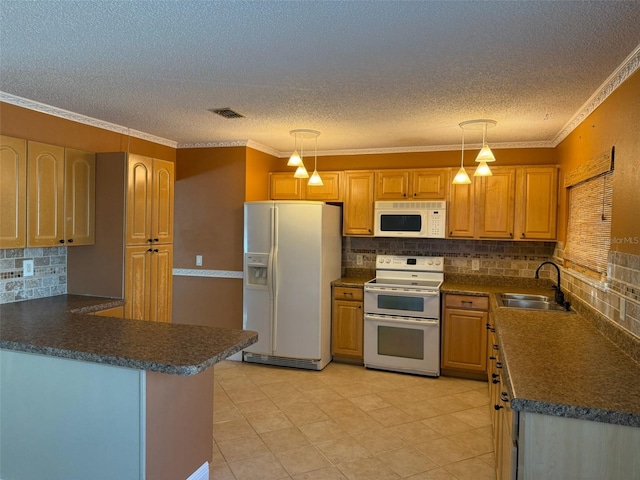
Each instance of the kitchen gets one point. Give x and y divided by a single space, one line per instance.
224 177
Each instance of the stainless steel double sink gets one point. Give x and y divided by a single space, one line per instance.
529 302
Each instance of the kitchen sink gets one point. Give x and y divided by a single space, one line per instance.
529 302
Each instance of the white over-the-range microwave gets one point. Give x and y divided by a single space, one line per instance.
412 219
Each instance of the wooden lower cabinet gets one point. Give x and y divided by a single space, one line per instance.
464 334
148 282
347 323
117 312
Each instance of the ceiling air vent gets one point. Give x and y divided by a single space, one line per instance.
226 112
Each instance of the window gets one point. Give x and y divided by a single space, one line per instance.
589 227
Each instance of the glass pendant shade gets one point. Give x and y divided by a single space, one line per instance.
315 179
485 155
294 160
461 177
483 170
301 172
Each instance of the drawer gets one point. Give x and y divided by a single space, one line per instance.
347 293
466 301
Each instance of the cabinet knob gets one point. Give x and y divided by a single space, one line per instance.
149 240
523 235
498 364
494 375
504 396
511 234
61 241
495 380
498 407
492 358
156 239
70 240
155 250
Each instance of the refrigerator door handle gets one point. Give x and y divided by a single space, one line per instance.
274 274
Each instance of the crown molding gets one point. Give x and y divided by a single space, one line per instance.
624 71
234 143
76 117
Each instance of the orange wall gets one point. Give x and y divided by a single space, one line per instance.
259 165
36 126
616 122
208 221
521 156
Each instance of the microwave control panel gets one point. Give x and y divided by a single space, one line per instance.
436 223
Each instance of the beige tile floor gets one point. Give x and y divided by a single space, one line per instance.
347 422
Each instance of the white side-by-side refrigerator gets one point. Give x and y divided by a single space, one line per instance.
292 253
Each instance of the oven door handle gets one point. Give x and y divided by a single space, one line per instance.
402 290
400 320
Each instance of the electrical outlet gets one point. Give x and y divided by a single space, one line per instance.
623 308
475 264
27 268
198 260
359 260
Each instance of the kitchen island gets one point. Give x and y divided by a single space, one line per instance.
83 396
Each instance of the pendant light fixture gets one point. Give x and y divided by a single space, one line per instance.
301 171
485 155
315 180
294 159
461 177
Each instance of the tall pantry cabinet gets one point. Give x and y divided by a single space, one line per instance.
133 252
149 239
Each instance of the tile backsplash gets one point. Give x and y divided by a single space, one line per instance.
616 298
469 257
49 273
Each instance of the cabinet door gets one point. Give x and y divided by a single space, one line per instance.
330 191
358 203
13 188
137 282
347 328
464 340
284 186
79 203
161 283
537 203
496 203
162 201
429 184
392 185
461 211
139 185
45 198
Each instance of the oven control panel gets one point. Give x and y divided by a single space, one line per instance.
408 263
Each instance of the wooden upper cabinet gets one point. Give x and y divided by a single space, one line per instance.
13 192
358 202
80 195
392 184
461 211
422 184
496 203
429 184
162 202
536 203
284 186
150 197
45 202
330 191
139 196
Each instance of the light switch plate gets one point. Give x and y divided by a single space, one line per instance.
27 268
198 260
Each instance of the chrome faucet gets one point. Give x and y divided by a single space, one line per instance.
559 296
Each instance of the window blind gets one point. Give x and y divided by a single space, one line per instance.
589 227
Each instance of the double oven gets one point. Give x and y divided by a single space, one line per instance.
402 315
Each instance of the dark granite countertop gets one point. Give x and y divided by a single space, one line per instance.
558 363
351 281
61 327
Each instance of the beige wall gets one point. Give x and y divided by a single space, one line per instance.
616 122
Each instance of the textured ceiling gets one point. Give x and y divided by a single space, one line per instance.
367 74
